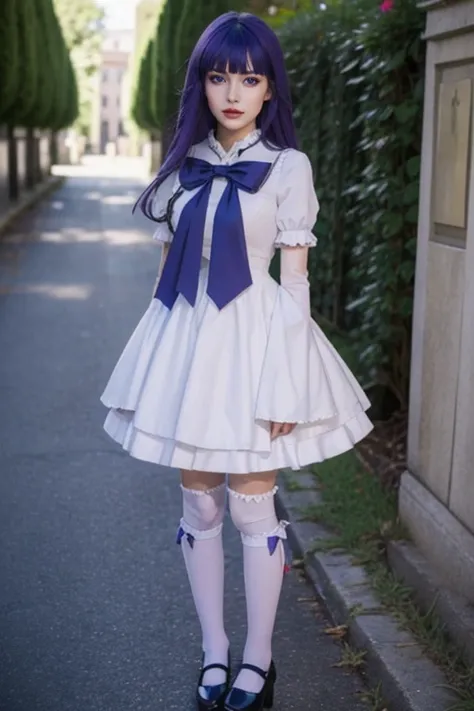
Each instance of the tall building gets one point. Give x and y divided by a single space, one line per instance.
109 112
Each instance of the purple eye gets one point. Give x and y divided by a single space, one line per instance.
252 81
216 78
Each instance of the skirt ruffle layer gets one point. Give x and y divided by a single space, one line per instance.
196 388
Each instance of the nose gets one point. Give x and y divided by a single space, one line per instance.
233 92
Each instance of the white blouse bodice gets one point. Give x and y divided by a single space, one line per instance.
283 212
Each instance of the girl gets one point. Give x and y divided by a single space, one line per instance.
226 373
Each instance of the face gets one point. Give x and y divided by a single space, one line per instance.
235 100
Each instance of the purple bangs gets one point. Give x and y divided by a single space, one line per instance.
240 43
231 48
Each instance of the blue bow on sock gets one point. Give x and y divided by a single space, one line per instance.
229 271
189 536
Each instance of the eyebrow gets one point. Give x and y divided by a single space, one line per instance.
245 74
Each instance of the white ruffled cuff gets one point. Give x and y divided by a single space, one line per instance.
295 238
162 233
261 540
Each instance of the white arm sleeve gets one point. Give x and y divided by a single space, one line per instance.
294 276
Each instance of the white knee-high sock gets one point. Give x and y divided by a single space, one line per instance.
200 535
264 563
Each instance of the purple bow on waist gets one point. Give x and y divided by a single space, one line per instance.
229 271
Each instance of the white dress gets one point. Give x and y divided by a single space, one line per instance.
197 387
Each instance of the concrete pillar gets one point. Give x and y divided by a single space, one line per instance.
437 491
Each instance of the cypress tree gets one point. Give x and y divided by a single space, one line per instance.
9 56
47 75
61 59
29 50
141 106
65 107
9 84
157 76
21 111
166 85
59 72
71 111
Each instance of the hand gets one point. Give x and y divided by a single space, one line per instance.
281 428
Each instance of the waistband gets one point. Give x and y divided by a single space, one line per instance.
257 263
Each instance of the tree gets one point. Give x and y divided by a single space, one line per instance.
141 106
47 66
157 63
82 25
66 98
9 56
71 109
25 30
164 86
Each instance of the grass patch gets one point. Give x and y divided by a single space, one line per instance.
355 506
374 698
293 485
362 517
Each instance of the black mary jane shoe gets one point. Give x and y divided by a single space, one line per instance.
241 700
211 698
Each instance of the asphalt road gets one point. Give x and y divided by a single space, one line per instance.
95 610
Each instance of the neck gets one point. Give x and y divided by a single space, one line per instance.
227 137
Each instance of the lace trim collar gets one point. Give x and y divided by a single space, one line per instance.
250 139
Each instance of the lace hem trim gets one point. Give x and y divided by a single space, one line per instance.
203 492
253 497
295 238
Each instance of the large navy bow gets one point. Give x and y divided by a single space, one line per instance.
229 271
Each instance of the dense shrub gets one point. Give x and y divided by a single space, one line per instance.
358 106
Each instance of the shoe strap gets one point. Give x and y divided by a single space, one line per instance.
215 666
212 666
255 669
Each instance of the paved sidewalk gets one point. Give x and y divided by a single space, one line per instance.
95 610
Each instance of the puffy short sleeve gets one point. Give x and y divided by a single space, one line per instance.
297 203
160 205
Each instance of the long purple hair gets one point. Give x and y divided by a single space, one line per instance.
230 40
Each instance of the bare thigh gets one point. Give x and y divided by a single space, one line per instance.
200 481
248 484
258 483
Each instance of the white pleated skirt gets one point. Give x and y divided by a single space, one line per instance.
196 388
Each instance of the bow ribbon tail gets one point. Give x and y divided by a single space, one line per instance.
181 271
166 290
195 215
229 270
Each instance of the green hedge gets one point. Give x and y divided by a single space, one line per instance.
358 107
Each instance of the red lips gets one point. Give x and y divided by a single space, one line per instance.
232 112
